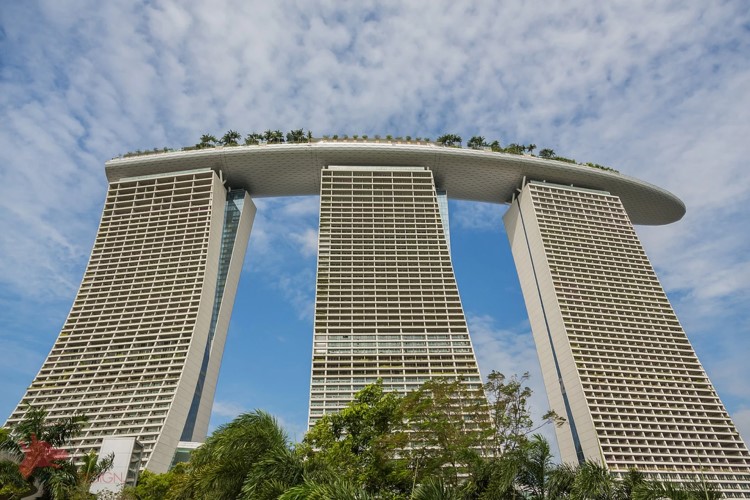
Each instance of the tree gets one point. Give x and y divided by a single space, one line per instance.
253 139
280 470
273 136
536 471
339 489
295 136
12 484
510 411
34 436
72 482
495 146
231 138
451 140
207 141
448 424
593 481
361 442
530 148
219 468
434 488
516 149
699 489
167 486
476 142
547 153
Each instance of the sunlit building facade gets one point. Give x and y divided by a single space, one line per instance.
387 305
615 359
140 351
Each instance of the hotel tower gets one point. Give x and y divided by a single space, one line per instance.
140 351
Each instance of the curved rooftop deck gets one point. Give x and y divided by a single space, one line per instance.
466 174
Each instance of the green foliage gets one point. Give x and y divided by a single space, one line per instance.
535 474
296 136
35 423
435 488
699 489
158 486
299 136
602 167
218 468
593 481
339 489
12 483
442 441
230 138
273 136
515 149
451 140
509 407
448 423
361 442
63 480
562 158
207 141
476 142
547 153
253 139
280 470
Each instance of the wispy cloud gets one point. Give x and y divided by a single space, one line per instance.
478 216
227 409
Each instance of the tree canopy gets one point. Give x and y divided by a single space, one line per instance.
442 441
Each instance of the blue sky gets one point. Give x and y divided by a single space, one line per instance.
660 91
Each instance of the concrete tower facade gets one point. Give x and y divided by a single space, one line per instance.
387 304
616 362
140 352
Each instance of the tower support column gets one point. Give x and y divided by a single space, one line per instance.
140 350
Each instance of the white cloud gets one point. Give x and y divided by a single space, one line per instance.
299 290
227 409
478 216
307 241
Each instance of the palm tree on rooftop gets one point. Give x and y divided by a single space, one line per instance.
295 136
476 142
253 138
207 141
231 138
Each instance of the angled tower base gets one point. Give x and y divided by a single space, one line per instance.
139 354
616 361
